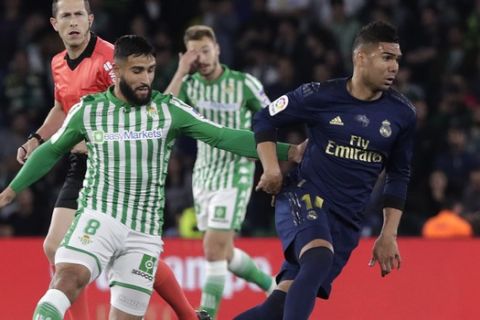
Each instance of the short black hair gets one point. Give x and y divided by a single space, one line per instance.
375 32
55 7
128 45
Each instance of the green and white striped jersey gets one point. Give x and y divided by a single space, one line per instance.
229 101
128 152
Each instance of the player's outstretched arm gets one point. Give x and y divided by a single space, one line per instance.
385 249
241 142
7 196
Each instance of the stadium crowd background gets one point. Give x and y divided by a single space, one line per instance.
282 43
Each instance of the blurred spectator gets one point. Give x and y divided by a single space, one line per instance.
23 88
20 219
471 195
447 223
286 81
424 202
11 19
456 161
344 29
224 21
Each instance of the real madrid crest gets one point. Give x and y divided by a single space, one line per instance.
386 129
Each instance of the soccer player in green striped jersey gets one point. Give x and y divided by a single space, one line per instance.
222 181
129 131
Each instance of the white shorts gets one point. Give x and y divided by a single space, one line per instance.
223 209
98 241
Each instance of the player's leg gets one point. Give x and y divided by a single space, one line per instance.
79 260
167 287
131 275
61 220
291 223
62 217
67 283
216 245
272 308
216 271
304 228
315 259
240 263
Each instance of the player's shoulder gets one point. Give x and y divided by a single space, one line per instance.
246 77
316 89
401 100
172 101
94 98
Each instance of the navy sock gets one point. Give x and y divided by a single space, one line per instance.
315 265
270 309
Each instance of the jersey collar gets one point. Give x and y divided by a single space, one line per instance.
113 98
73 63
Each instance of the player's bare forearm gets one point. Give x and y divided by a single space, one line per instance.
53 121
391 221
175 84
271 179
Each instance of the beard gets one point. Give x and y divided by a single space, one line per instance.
131 96
209 71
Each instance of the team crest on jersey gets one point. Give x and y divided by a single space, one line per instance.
152 111
386 129
278 105
85 239
229 89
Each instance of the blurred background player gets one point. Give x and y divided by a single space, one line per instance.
358 127
85 67
222 181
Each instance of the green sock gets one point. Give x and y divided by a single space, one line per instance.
52 306
46 311
243 266
212 290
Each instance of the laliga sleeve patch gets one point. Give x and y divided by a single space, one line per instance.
278 105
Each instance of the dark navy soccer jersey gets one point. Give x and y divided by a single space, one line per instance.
350 142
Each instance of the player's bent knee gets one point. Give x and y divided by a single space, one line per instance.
133 301
70 278
316 243
84 260
215 252
50 248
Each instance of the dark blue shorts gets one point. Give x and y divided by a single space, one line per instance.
301 217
